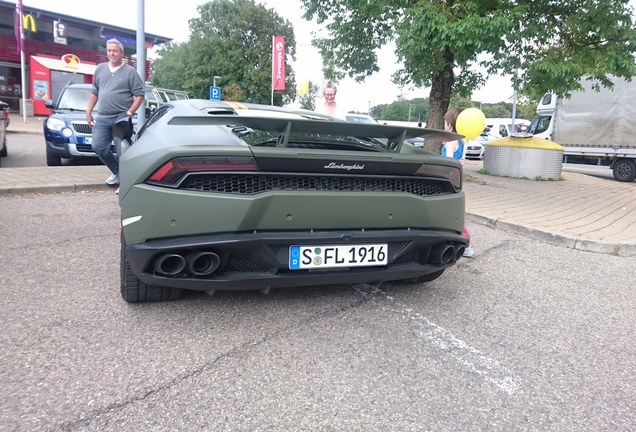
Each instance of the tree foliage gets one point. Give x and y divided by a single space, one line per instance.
527 111
168 71
231 39
551 44
399 110
496 111
308 101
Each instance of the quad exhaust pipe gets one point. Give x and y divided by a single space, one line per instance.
169 264
443 254
196 263
202 263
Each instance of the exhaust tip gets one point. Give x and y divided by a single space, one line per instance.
442 254
203 263
459 252
169 264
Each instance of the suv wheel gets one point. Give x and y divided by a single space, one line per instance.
52 160
135 291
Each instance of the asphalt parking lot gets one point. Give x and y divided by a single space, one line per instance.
525 336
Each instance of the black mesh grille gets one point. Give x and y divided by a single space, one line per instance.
411 257
82 128
86 148
248 184
245 266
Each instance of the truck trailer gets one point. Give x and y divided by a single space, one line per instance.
594 127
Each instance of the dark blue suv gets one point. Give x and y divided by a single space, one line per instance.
66 131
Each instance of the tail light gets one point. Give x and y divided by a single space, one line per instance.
452 174
176 169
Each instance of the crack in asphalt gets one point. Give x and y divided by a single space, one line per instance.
235 351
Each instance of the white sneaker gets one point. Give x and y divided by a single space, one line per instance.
469 251
113 179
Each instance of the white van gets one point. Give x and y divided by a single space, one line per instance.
156 96
502 127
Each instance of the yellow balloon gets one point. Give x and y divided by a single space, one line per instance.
470 123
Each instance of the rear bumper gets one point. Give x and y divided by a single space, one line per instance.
261 260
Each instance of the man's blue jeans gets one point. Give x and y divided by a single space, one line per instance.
103 137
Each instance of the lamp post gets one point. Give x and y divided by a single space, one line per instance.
409 113
214 80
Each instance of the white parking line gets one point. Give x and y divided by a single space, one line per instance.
471 358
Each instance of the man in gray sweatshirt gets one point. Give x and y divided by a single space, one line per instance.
120 91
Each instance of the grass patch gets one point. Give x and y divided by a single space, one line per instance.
470 179
483 171
539 178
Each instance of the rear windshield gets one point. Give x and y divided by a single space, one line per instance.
312 141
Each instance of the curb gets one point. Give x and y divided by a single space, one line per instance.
623 249
10 132
53 188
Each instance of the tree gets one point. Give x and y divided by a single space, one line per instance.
308 101
550 43
168 70
233 92
232 39
527 111
396 111
496 111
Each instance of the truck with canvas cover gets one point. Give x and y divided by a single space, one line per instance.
597 126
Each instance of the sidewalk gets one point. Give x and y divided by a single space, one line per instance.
33 125
581 211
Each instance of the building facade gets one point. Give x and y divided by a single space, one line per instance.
57 49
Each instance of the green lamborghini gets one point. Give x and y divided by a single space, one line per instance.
230 196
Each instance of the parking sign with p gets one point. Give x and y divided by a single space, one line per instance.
215 93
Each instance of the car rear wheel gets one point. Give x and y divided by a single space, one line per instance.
52 160
625 170
135 291
426 278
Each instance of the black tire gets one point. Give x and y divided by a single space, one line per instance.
135 291
52 160
426 278
624 170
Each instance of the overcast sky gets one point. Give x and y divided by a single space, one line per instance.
173 22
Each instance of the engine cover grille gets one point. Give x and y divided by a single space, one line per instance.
249 184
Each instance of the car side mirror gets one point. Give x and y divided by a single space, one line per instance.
48 104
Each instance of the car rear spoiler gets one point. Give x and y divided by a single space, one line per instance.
284 127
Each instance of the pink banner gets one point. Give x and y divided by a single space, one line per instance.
278 69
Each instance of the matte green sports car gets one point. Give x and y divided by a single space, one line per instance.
228 196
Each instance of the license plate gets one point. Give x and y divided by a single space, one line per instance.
87 140
313 257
